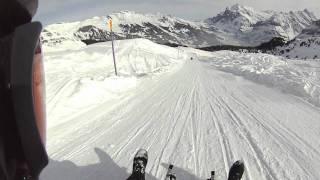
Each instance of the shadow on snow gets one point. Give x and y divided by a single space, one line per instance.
105 169
181 173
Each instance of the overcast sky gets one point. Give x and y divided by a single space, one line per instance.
53 11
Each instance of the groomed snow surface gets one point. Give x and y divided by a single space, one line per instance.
200 115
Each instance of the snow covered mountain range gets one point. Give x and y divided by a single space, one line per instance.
127 25
237 25
246 26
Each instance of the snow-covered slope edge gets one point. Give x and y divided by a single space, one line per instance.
306 45
290 76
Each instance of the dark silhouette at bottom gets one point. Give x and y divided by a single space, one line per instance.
108 169
105 169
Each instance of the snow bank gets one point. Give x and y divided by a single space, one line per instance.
300 78
81 78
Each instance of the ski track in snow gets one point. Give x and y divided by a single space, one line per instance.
199 119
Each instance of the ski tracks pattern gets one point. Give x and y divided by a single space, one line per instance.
201 119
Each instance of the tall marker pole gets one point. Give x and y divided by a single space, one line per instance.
114 57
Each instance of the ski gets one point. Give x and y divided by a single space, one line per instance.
170 175
212 175
236 171
140 161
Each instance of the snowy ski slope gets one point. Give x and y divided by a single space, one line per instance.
201 115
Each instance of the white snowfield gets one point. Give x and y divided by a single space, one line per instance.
200 115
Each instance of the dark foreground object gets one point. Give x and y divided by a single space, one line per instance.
170 175
236 171
140 161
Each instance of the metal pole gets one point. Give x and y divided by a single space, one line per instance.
114 57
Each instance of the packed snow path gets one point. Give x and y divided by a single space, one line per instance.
198 118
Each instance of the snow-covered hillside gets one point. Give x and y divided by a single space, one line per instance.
241 25
306 45
237 25
201 114
90 69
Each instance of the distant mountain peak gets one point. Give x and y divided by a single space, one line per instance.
239 13
127 12
239 7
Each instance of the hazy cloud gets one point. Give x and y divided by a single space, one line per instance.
51 11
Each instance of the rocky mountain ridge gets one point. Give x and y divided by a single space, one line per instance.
237 25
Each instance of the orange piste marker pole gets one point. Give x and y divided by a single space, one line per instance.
110 25
113 53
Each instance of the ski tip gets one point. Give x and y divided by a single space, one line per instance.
236 170
141 153
239 163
